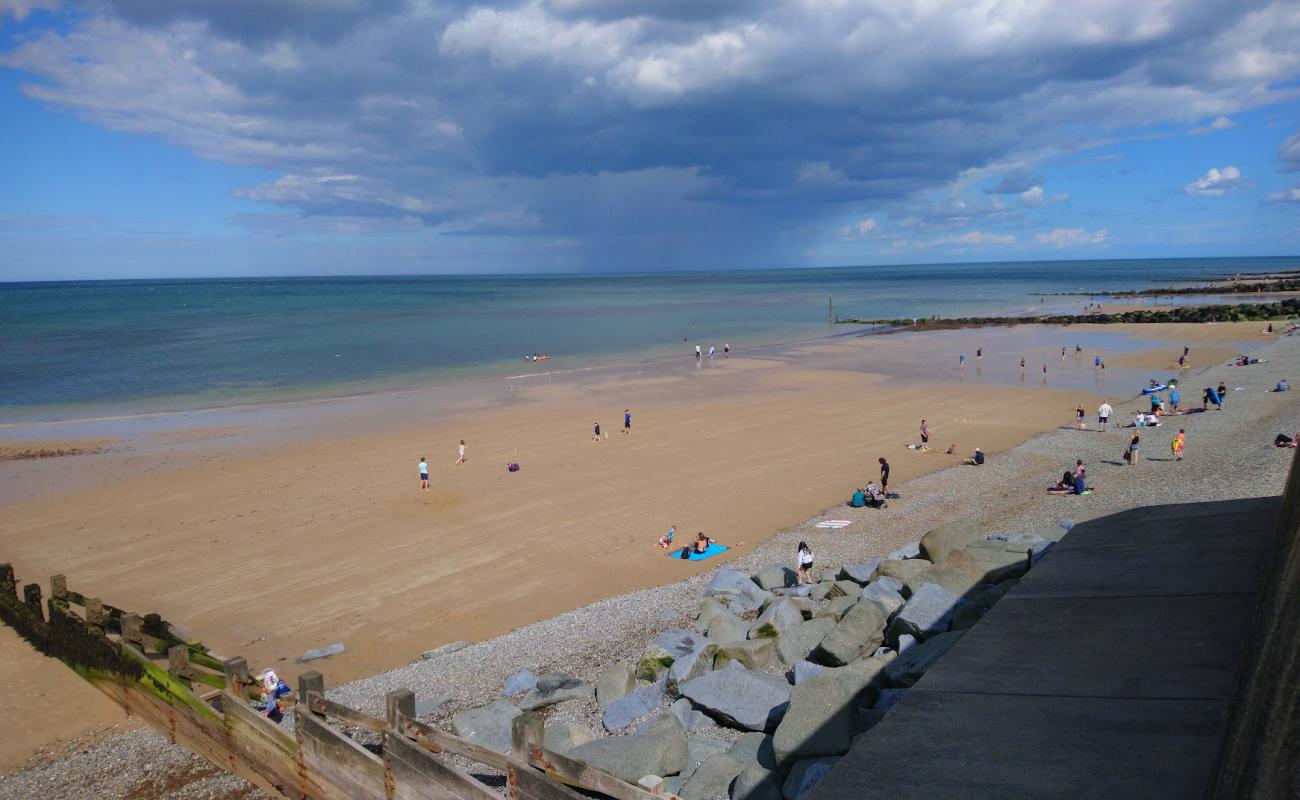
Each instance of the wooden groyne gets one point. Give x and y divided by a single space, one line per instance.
202 702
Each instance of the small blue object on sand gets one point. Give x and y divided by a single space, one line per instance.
712 550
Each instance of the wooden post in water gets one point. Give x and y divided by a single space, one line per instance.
830 310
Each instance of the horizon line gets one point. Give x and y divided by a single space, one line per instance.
634 274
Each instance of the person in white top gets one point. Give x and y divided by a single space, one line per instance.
460 449
1103 414
698 353
424 474
805 563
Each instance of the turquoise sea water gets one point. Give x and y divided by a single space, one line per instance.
155 345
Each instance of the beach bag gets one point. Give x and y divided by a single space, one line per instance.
1128 455
1282 440
686 554
512 467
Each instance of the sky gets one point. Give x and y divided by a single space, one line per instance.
312 137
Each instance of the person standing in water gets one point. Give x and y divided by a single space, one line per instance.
1022 366
1096 362
726 349
424 474
961 362
460 452
979 354
698 353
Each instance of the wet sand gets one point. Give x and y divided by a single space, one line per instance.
268 542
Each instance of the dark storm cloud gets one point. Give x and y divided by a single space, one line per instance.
706 123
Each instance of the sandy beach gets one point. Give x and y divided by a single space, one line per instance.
266 542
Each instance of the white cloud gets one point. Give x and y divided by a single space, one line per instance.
1291 195
1289 152
21 9
1217 182
957 241
1073 237
1220 123
769 117
515 36
859 229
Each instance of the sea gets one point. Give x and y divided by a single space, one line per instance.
72 349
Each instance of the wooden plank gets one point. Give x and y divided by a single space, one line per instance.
418 775
439 741
526 783
338 761
58 586
348 716
576 773
255 744
556 766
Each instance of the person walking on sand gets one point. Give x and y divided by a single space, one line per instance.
424 474
1177 445
925 436
1103 414
1133 441
627 420
804 558
884 474
595 436
460 452
1174 398
1078 417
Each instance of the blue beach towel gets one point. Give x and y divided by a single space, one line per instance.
713 550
